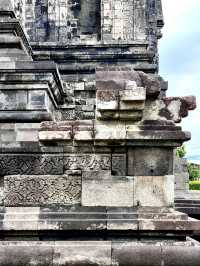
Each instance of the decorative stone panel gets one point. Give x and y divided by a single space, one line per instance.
87 162
20 164
42 190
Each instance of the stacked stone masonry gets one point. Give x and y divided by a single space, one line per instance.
87 137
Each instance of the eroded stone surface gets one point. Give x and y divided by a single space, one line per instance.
99 165
155 191
102 189
41 190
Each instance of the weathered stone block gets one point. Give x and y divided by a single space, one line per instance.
136 253
82 253
41 190
119 164
14 216
150 161
102 189
110 131
31 164
154 191
133 93
54 135
107 100
87 162
24 253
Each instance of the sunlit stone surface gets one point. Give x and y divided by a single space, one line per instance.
87 137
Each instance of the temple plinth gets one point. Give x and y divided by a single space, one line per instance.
87 137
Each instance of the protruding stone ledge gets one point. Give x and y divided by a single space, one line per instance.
140 220
113 133
107 253
177 108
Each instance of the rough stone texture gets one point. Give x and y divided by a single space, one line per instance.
87 136
41 190
122 100
152 161
102 189
30 164
160 191
181 174
87 162
99 253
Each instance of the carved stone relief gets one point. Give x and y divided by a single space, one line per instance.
87 162
40 190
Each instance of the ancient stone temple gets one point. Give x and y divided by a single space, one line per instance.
87 136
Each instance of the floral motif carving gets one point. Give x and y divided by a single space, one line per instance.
87 162
31 164
42 190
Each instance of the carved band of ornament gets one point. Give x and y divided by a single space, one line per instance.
87 162
31 164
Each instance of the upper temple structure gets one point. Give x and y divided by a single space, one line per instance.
87 137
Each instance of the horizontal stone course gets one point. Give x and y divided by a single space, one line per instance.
108 253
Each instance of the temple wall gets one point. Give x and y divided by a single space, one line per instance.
83 20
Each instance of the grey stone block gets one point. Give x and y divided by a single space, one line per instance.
102 189
182 255
150 161
87 162
82 253
154 191
119 164
41 190
24 253
26 164
136 254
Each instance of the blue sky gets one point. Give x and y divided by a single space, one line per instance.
180 61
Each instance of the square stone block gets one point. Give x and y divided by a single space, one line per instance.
110 131
154 191
133 94
107 100
82 253
150 161
105 190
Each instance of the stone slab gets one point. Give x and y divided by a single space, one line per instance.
106 190
31 164
154 191
41 190
150 161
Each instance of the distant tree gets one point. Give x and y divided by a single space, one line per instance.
194 172
181 151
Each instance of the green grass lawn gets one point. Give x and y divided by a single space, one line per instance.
194 185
